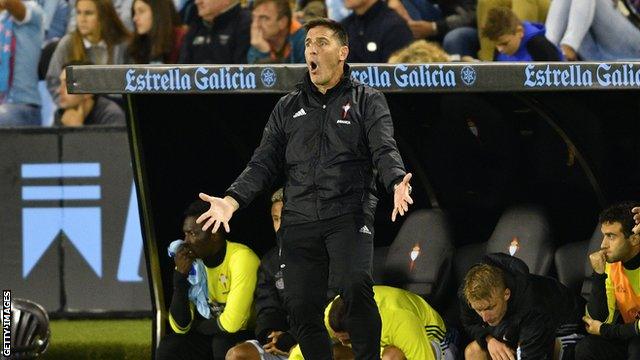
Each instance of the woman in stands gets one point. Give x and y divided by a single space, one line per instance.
99 37
592 30
158 33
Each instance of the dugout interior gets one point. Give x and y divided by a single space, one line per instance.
477 137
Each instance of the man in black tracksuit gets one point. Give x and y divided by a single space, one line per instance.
375 31
219 35
512 314
327 137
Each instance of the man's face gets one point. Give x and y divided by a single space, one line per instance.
343 337
508 44
323 53
209 9
492 310
142 17
276 213
87 18
66 100
199 241
266 18
615 245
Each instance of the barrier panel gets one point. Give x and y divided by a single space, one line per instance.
70 227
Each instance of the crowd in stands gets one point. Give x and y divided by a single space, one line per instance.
40 38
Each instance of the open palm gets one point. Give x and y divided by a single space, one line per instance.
401 197
219 212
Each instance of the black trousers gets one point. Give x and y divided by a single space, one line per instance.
195 346
336 255
598 348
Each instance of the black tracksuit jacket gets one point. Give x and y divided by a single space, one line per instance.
327 146
539 308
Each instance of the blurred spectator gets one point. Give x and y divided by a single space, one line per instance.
275 36
123 9
220 35
99 38
527 10
56 17
375 31
21 37
312 10
337 10
593 30
451 21
158 34
421 52
85 109
518 40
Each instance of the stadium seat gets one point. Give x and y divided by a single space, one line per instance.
572 263
29 329
420 257
522 231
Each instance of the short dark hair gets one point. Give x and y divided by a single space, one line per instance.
500 21
196 208
621 213
337 315
338 29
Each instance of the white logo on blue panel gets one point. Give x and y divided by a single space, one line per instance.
82 225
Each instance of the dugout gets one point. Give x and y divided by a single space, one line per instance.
478 138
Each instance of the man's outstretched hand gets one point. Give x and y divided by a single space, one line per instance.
636 219
401 198
219 212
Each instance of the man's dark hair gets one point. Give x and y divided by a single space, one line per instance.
337 315
338 29
196 208
621 213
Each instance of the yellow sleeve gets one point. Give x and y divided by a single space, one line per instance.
174 325
296 353
243 270
611 295
406 332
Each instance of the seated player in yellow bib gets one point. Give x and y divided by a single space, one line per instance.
411 328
